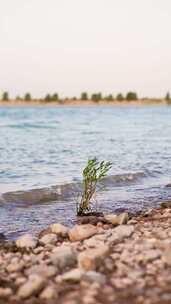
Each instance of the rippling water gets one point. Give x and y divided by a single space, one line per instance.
44 149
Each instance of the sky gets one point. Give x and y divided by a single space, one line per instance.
70 46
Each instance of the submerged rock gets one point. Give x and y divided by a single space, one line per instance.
2 238
82 232
166 204
26 241
91 219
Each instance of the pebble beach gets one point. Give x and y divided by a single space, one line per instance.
112 259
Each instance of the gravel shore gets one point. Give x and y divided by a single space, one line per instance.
116 260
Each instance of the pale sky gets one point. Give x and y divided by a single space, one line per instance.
69 46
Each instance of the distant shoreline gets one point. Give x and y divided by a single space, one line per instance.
68 102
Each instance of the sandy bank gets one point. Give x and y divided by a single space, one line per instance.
70 102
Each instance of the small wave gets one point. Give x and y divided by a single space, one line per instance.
65 191
31 126
43 195
122 179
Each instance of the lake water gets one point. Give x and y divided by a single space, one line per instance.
44 149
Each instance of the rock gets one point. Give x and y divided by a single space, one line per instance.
117 219
26 241
49 247
49 293
64 256
121 232
90 259
100 224
32 287
27 258
73 276
123 218
107 226
15 265
90 219
88 299
20 281
36 259
82 232
167 254
168 185
38 250
111 218
132 222
122 283
166 204
48 239
152 255
59 229
167 212
136 274
95 241
147 213
43 270
44 232
5 293
93 276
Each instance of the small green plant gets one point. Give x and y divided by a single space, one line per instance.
92 174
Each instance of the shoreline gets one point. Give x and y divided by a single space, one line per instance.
70 102
105 262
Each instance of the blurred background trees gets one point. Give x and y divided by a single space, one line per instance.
5 96
84 96
27 97
96 97
131 96
120 97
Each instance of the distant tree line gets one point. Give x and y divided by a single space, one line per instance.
120 97
96 97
